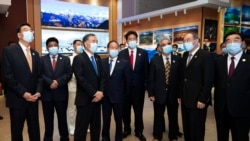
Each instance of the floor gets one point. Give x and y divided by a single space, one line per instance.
148 124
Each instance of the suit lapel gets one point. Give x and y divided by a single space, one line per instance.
138 57
48 60
117 65
240 65
58 63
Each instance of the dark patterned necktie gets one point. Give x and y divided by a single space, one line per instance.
167 70
231 68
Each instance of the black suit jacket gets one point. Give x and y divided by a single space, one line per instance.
197 79
62 74
18 77
88 82
157 80
118 84
141 67
233 94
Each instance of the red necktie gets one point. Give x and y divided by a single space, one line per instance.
53 62
131 58
231 68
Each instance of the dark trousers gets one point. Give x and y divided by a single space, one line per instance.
88 115
61 110
193 123
137 101
159 120
17 119
239 126
106 114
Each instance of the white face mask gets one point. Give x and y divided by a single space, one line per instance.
93 47
233 48
188 46
113 53
132 44
28 36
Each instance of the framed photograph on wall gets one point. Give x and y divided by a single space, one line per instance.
245 16
232 16
210 30
228 29
158 34
66 38
180 32
63 14
146 38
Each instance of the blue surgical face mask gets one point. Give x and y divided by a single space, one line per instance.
224 50
233 48
174 49
113 53
181 47
132 44
53 50
93 47
28 36
188 46
79 49
167 49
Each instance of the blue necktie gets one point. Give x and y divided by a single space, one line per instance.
94 64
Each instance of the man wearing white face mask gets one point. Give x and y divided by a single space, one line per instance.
232 91
118 78
56 72
164 76
138 59
21 72
71 111
196 84
89 92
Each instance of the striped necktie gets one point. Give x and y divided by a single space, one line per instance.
167 70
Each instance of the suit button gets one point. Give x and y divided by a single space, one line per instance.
166 89
185 80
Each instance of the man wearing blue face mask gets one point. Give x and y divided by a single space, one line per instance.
21 72
196 84
89 92
164 76
56 72
138 59
232 91
71 111
118 78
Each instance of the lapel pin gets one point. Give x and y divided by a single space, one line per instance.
33 53
60 57
139 54
118 61
173 61
243 60
195 57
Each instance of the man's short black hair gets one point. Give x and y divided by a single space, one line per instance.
51 39
18 29
112 41
86 37
231 33
129 33
74 42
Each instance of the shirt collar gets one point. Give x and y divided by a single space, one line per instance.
89 54
135 49
23 46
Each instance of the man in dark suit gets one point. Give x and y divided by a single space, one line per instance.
21 71
196 84
232 91
56 72
164 77
139 63
90 86
118 78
